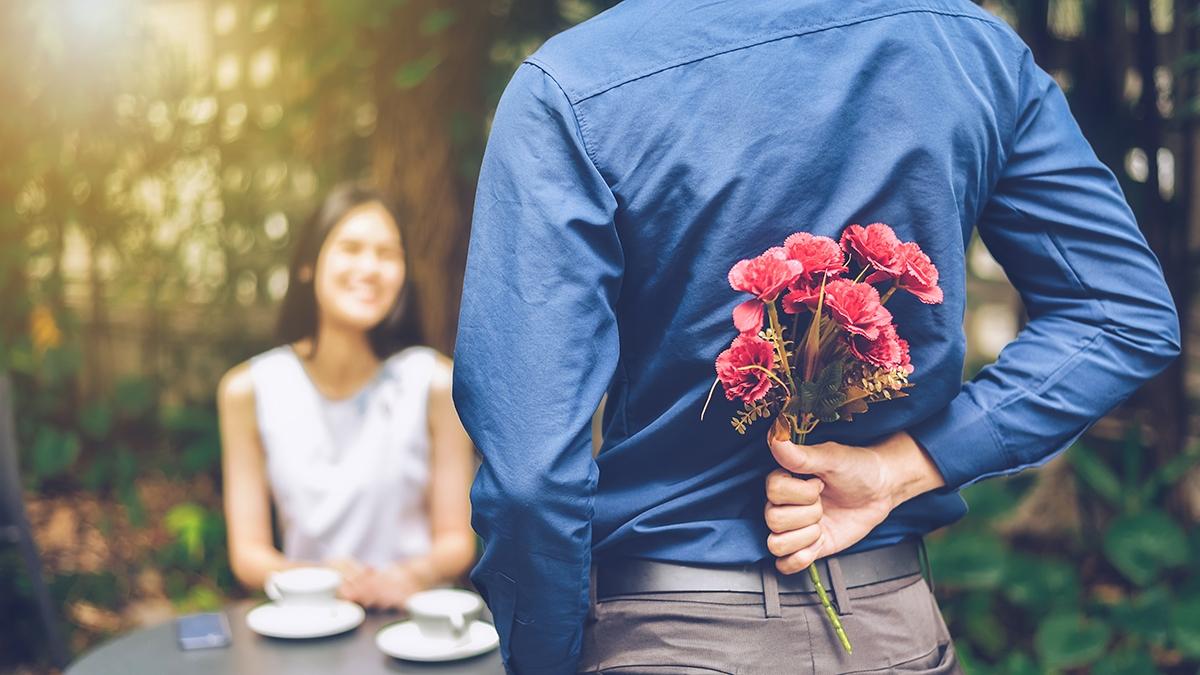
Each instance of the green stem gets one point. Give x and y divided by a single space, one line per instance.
833 617
771 375
891 290
778 332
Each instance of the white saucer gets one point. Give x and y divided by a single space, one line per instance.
302 621
403 640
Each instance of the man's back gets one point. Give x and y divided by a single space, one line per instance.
723 127
639 155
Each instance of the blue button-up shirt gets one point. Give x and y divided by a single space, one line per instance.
634 158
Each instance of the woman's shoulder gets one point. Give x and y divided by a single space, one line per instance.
435 365
419 354
236 386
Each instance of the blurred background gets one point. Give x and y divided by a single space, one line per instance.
157 153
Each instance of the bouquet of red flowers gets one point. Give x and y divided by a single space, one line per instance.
840 352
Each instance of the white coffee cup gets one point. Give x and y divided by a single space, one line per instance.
444 613
303 585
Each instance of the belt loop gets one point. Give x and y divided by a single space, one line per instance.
927 569
770 588
591 593
842 596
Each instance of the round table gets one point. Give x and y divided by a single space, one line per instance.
156 650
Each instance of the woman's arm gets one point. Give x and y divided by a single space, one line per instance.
449 495
452 466
252 555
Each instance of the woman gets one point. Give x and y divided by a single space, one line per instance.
348 425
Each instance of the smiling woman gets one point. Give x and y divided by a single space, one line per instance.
348 425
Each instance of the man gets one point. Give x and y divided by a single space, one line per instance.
633 159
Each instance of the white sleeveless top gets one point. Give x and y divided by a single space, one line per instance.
348 476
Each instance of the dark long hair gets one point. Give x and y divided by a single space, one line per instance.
298 316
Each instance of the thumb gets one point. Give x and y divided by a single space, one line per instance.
804 459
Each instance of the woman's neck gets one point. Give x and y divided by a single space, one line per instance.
342 362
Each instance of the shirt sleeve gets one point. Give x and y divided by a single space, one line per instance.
1102 320
537 346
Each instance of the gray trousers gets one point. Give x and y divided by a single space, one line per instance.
894 626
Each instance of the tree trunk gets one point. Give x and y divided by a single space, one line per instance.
1166 395
426 140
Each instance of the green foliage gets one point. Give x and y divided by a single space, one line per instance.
187 522
1070 640
1094 603
1142 545
54 452
413 73
437 21
824 394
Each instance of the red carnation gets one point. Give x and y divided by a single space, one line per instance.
888 350
918 274
874 245
856 307
748 384
819 255
764 277
905 359
804 292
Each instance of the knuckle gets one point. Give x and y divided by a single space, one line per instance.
776 521
775 488
776 546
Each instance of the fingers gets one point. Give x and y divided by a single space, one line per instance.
782 544
782 519
801 559
785 489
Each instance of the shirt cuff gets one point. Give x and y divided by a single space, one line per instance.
962 442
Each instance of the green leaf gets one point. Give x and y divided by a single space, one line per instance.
201 456
189 419
1141 545
1095 474
413 73
1185 626
1144 615
134 396
987 632
96 421
1039 583
200 599
54 452
1126 662
186 522
1070 640
809 393
830 377
437 21
1171 471
125 468
968 560
1019 663
134 508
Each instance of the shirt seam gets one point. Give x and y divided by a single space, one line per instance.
580 124
1016 118
760 40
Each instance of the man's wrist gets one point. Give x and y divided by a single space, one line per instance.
911 470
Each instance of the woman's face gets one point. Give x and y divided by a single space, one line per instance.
360 269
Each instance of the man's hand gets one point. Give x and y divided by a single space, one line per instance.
861 487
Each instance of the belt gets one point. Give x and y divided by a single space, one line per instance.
630 576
